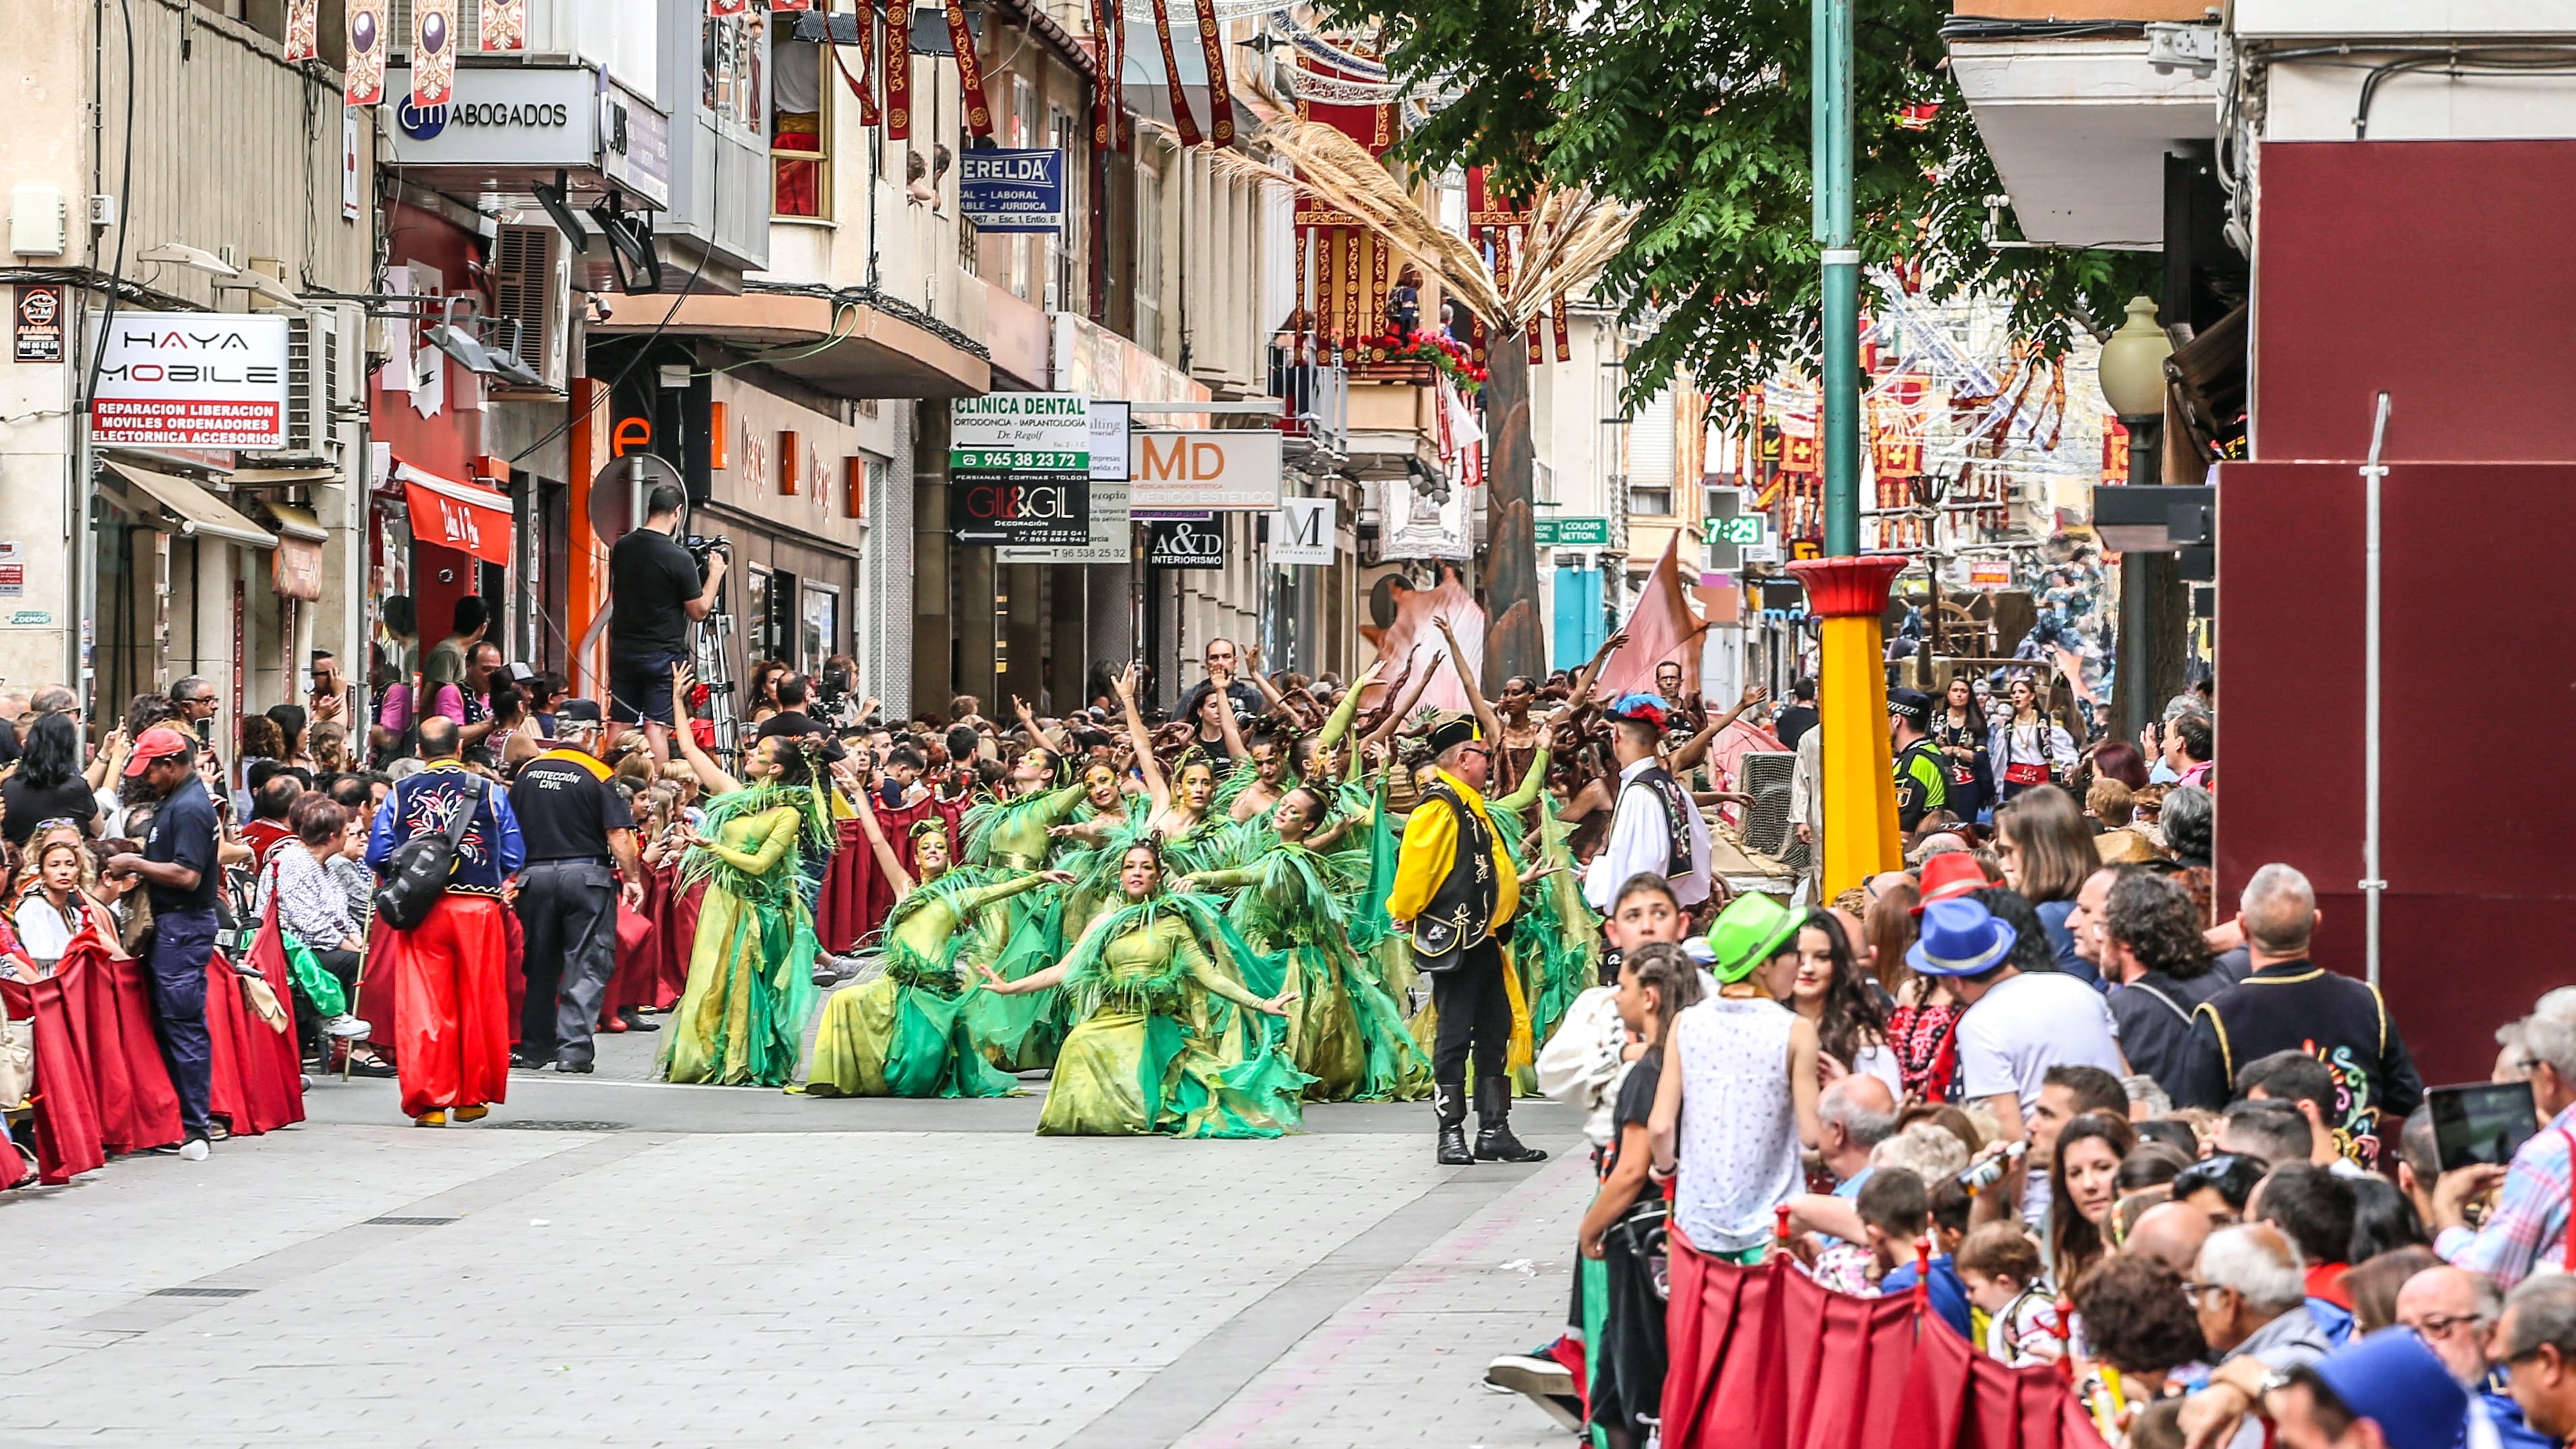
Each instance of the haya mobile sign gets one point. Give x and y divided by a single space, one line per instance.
192 380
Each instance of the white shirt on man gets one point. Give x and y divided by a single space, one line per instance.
1640 841
2020 1029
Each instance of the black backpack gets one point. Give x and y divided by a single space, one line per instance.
417 872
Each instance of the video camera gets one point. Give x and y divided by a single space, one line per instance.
701 546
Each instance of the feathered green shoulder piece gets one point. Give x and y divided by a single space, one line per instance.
815 834
946 890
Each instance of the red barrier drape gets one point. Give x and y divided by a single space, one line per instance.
101 1086
857 895
1764 1358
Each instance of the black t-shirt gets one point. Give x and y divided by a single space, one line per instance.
30 805
1793 722
565 812
1249 702
183 833
1635 1106
651 580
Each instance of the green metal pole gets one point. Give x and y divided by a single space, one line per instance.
1832 68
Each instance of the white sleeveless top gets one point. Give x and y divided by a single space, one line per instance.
1739 1127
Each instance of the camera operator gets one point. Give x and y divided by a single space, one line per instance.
655 593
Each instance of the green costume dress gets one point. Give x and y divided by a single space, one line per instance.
741 1018
1345 1029
1020 1033
902 1034
1167 1040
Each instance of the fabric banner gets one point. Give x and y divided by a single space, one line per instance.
433 53
862 85
1220 96
501 25
1663 628
898 65
1109 95
303 29
970 71
1182 120
725 9
1352 318
363 77
1767 1358
1556 318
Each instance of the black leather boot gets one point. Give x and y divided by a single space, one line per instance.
1494 1139
1449 1101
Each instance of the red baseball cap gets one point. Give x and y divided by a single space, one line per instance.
1949 875
158 743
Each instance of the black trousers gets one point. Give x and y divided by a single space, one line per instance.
568 910
1475 1016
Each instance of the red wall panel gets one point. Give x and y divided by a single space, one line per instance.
2477 770
447 443
2436 271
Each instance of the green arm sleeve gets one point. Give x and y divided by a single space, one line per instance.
781 833
1532 784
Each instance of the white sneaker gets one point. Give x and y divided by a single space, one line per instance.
194 1149
348 1028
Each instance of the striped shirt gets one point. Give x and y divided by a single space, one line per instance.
2528 1226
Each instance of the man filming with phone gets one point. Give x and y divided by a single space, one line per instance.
655 593
2526 1230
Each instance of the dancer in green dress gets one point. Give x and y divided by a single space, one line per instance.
1175 1034
741 1018
1347 1031
1192 834
903 1034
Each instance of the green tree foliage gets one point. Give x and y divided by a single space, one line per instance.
1697 113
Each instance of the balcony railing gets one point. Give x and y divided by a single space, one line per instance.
1314 394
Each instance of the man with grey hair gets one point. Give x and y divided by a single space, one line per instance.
2527 1227
2288 1003
2536 1344
2249 1291
1854 1115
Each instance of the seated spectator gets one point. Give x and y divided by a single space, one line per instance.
2250 1296
1999 1267
2455 1312
2138 1325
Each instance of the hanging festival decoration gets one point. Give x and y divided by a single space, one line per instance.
303 29
363 78
433 53
1182 120
861 84
501 25
970 72
1557 324
898 64
1220 95
1108 122
726 9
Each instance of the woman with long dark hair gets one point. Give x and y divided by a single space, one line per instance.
2083 1188
2047 855
1959 733
47 784
2027 748
1832 992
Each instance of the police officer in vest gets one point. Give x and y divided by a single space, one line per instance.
1455 894
580 833
1656 826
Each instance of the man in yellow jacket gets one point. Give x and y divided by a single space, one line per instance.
1455 894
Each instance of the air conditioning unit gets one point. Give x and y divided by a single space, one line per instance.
531 275
325 372
1764 775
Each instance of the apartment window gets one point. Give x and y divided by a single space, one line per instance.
1024 131
1061 247
819 633
800 130
1149 255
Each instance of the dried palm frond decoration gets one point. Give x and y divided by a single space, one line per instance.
1572 233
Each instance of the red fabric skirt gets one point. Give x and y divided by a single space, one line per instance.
451 1003
258 1078
1765 1358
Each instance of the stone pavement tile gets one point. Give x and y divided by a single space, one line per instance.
1412 1350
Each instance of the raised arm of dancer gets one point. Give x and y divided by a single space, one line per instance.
887 861
1583 682
1060 743
1222 983
712 779
1488 723
982 896
1396 717
1338 723
1689 756
1229 727
1142 741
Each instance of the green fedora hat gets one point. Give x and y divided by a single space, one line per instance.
1747 933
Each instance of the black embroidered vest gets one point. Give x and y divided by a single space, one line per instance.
1677 813
1461 913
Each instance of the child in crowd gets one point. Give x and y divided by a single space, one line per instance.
1999 1263
1896 1212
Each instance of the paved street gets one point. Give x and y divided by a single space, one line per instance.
613 1261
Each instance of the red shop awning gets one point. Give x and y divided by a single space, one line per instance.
461 516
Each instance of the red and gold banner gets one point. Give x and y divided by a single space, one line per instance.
1379 285
970 71
2115 450
862 84
501 25
898 64
725 9
1557 323
1350 243
1108 25
1220 94
1305 285
364 76
303 29
1182 120
433 53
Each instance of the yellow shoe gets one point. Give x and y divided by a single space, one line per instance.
472 1114
430 1119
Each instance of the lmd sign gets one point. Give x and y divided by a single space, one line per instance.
1230 471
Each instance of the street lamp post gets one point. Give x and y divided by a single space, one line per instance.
2133 383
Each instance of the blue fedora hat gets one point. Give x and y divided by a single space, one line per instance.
1960 938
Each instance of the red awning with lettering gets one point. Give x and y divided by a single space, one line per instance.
462 516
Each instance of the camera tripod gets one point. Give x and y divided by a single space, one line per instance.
711 656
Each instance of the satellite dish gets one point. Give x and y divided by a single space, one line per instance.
617 494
